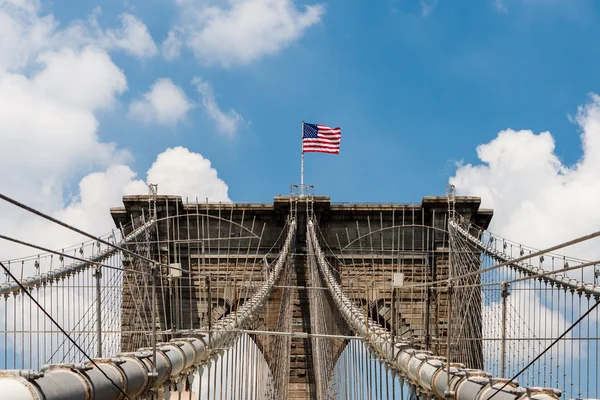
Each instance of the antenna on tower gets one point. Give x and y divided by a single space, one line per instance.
152 192
451 196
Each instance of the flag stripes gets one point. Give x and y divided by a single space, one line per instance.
319 138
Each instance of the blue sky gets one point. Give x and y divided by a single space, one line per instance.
99 98
415 86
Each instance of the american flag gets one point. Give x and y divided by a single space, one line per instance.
317 138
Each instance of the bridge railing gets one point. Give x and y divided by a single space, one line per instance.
537 309
427 374
531 261
152 370
80 288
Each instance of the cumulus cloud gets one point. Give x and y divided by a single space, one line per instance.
22 32
25 32
238 32
133 37
50 90
52 84
87 79
164 103
49 134
99 191
227 122
180 171
537 199
47 125
177 171
171 46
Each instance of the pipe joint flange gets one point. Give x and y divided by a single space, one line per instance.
72 366
538 393
460 373
117 361
449 394
472 373
423 356
28 374
140 355
147 349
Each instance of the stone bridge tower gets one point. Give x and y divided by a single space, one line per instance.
227 246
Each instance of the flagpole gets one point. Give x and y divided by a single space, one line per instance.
302 165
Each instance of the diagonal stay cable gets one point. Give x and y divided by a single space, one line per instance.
67 255
534 276
65 225
86 323
527 256
507 262
547 348
84 233
61 329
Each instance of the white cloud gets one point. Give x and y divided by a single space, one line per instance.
227 122
22 32
25 33
238 32
47 125
164 103
50 89
132 37
52 84
48 132
177 171
88 79
171 46
182 172
538 200
99 191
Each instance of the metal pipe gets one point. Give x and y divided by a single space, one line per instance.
209 308
65 382
504 295
153 373
98 275
302 335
